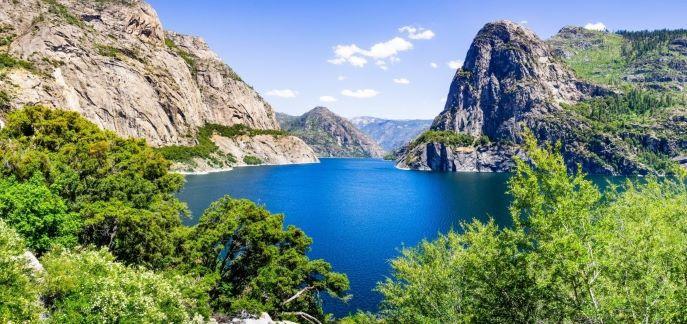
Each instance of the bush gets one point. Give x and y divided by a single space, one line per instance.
38 215
7 61
90 287
19 288
251 160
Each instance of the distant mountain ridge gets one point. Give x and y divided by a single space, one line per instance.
330 135
391 134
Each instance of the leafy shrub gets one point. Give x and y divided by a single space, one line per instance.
90 287
19 288
251 160
38 215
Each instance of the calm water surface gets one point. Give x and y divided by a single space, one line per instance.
359 212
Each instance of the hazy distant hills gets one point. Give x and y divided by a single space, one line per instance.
389 133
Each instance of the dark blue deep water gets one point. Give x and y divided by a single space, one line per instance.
359 212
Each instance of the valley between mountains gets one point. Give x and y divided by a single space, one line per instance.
614 101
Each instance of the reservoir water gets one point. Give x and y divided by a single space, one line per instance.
359 212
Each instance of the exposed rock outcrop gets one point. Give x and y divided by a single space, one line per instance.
512 81
113 62
330 135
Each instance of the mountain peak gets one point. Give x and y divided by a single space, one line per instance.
508 75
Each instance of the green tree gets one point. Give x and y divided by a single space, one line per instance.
19 289
256 264
90 287
572 254
122 188
39 215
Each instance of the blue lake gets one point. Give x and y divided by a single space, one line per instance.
359 212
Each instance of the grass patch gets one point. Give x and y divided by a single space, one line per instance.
8 61
603 64
63 13
251 160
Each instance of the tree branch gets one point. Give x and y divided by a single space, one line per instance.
298 294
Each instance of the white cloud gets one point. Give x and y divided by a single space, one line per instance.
355 55
455 64
417 32
283 93
327 99
342 77
402 81
381 64
595 26
362 93
433 65
523 22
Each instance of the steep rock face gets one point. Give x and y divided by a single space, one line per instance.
330 135
391 134
509 76
112 62
510 81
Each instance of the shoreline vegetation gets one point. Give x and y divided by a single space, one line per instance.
100 214
81 199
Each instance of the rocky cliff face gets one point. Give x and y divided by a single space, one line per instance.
512 80
330 135
389 133
113 62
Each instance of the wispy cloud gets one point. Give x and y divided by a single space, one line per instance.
282 93
417 32
402 81
356 56
361 93
434 65
455 64
327 99
342 77
599 26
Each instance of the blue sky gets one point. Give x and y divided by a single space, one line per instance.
286 49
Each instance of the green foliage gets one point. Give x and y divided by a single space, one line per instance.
573 254
63 13
4 101
640 43
603 64
635 102
19 289
64 180
206 148
256 263
38 215
90 287
445 137
8 62
251 160
94 169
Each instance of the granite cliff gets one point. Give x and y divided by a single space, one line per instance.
511 81
113 62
